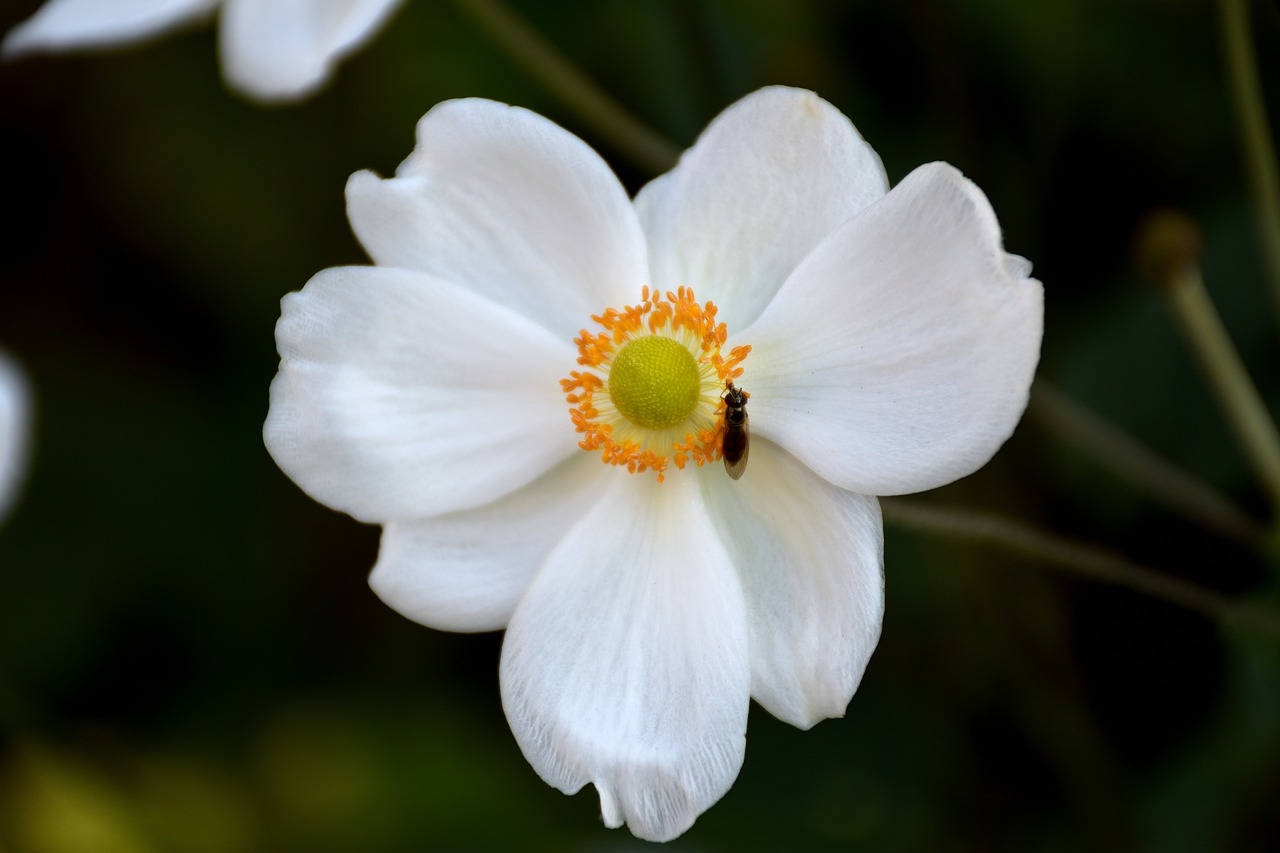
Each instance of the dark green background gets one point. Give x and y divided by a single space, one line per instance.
190 658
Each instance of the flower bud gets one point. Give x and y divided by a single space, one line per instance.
1168 243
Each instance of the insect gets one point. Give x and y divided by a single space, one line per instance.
737 437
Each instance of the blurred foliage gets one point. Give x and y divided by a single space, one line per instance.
190 659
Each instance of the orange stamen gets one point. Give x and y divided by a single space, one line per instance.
678 316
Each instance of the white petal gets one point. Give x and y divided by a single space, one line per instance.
63 24
465 571
625 664
15 432
811 558
768 179
401 397
503 201
899 355
286 49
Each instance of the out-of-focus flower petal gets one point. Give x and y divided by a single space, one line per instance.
625 664
503 201
70 24
286 49
899 355
810 556
15 432
465 571
401 397
772 176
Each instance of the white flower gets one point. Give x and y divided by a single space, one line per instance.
892 343
15 428
271 49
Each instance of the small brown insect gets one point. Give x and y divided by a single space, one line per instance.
737 436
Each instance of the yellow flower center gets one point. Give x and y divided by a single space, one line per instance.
652 391
654 382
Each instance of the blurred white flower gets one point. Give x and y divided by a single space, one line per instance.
272 50
885 338
15 429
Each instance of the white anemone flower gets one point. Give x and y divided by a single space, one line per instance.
272 50
15 428
885 339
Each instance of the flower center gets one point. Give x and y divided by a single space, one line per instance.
654 382
652 391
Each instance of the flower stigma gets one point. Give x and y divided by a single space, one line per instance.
652 391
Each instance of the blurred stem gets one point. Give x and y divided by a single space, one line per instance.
1088 561
1246 412
1255 133
1134 463
630 136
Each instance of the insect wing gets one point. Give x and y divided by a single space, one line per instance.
736 441
737 444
